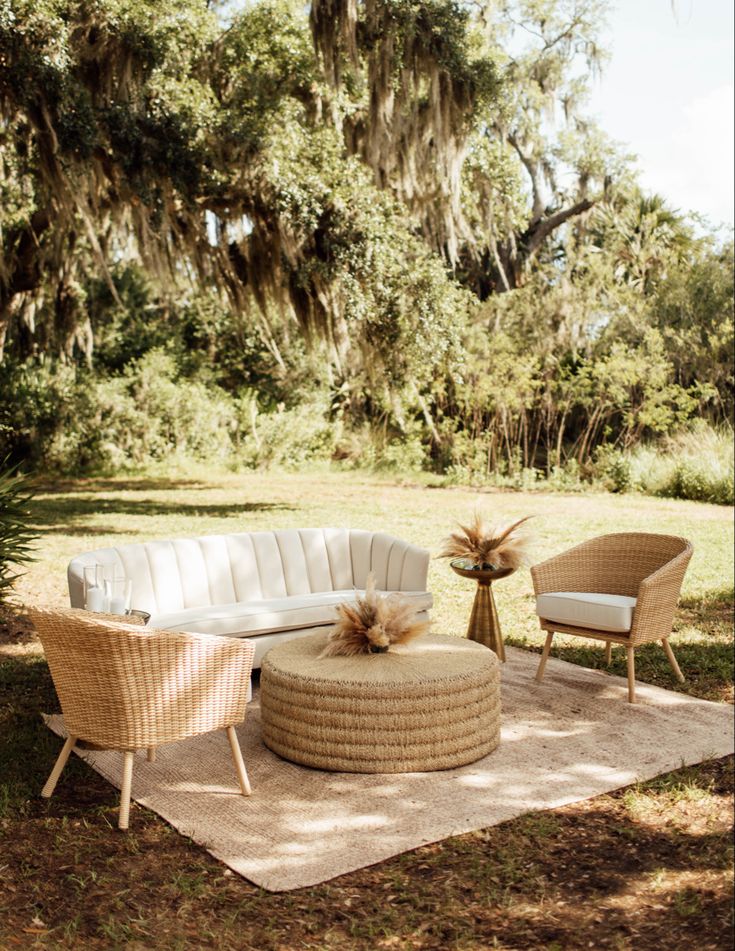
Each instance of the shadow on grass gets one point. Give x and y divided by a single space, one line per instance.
707 667
25 747
132 484
69 515
712 608
605 873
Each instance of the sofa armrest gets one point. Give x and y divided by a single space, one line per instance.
415 569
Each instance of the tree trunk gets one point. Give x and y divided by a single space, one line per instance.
22 254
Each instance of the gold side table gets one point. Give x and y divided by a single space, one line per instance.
484 626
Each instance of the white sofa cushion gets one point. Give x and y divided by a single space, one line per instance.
171 576
599 612
268 585
253 618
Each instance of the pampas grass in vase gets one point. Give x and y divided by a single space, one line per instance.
479 546
372 624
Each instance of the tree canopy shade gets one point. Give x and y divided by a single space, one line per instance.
375 199
427 77
132 119
102 136
136 118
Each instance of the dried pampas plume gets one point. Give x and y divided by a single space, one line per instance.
372 624
495 546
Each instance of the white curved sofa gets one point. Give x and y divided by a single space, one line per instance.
270 586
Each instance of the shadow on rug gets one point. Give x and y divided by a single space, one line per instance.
571 738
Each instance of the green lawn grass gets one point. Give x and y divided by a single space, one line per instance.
646 867
79 516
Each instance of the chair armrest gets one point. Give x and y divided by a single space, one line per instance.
415 569
135 619
658 595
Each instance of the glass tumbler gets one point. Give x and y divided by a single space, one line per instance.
118 591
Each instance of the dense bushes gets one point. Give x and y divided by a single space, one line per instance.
215 245
66 420
149 413
63 420
287 438
694 464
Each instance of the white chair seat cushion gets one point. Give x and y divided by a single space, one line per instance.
598 612
252 618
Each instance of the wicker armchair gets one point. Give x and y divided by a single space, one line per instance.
126 687
647 567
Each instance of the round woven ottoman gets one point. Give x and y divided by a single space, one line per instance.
432 704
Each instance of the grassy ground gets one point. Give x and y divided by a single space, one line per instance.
645 867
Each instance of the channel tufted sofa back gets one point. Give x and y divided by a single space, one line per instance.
175 575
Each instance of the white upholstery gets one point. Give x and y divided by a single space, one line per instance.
597 612
299 614
244 618
258 583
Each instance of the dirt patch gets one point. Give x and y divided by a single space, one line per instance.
15 627
643 868
17 635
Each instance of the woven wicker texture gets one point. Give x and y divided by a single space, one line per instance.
433 704
125 687
136 619
641 565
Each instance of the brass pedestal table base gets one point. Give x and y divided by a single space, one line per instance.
484 626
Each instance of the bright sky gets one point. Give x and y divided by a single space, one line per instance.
667 94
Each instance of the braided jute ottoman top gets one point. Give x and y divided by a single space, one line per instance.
430 704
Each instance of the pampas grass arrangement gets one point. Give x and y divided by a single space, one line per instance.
489 546
372 624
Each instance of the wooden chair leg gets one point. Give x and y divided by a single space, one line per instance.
544 657
127 782
59 765
151 754
631 674
608 652
242 775
672 660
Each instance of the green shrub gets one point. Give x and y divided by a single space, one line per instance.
406 454
63 419
695 479
38 400
358 448
16 534
695 464
565 478
150 414
287 438
468 463
614 469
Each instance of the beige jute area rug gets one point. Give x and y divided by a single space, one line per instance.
570 738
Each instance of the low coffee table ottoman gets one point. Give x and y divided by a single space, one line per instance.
431 704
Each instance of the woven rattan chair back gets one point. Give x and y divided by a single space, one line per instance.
611 564
642 565
126 687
